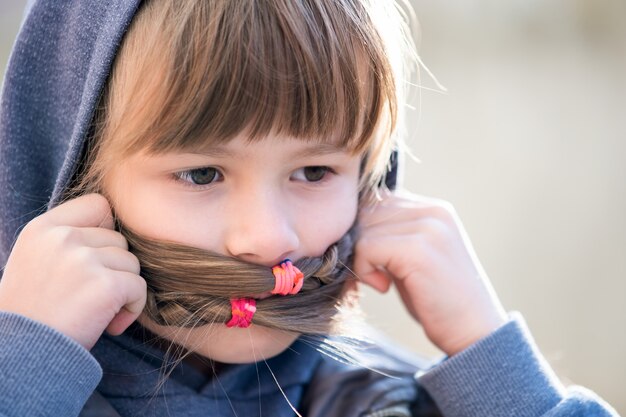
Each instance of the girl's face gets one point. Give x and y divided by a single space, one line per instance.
261 202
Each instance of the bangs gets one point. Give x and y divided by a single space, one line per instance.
312 70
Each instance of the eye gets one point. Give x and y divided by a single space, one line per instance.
313 173
199 176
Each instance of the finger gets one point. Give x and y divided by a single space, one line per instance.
424 226
402 197
84 211
132 288
98 237
404 209
376 279
118 259
418 198
398 256
407 211
120 322
382 216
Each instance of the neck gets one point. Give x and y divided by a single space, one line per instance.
206 366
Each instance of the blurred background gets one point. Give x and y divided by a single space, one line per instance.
528 144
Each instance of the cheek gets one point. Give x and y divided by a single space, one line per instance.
139 208
151 210
332 218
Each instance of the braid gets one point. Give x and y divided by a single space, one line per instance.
188 286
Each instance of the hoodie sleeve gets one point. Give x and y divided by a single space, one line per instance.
504 374
42 372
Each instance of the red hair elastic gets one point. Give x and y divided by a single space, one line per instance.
289 279
243 310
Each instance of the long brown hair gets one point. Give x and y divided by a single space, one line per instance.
189 286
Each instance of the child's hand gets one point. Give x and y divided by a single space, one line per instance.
419 243
70 270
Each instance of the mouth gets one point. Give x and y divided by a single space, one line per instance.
262 296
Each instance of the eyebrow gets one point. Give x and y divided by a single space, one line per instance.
214 151
317 149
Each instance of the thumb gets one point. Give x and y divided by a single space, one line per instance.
135 292
377 279
369 264
121 321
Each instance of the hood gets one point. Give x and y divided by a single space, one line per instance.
57 70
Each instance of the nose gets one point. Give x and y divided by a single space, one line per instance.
259 229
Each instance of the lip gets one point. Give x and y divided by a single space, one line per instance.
262 296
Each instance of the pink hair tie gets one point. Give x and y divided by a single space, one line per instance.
243 310
289 278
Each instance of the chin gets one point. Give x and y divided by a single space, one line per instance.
227 345
249 345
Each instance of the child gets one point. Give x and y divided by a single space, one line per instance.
203 180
